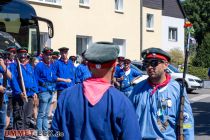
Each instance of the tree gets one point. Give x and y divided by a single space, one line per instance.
176 56
198 12
202 59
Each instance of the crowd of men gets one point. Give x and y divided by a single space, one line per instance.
97 99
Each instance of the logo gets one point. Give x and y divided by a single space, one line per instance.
186 116
98 66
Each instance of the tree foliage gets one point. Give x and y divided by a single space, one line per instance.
202 59
177 57
198 12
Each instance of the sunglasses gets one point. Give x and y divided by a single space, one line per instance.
153 63
22 55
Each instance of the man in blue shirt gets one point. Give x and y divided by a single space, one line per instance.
64 70
157 100
82 72
3 105
126 76
46 80
94 109
22 110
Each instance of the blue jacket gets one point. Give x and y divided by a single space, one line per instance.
126 83
64 70
112 118
28 78
160 108
82 73
45 77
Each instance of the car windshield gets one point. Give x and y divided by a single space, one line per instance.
137 69
174 69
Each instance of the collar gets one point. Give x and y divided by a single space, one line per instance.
157 86
94 89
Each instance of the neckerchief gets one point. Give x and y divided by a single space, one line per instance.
94 89
156 86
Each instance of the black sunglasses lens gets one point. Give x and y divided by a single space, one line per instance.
153 63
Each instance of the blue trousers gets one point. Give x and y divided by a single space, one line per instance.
45 99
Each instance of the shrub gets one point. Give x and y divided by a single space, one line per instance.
198 71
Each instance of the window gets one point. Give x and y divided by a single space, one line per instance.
32 46
172 34
84 2
45 41
150 21
119 5
121 43
56 2
82 44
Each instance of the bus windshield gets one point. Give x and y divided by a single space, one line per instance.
24 31
19 19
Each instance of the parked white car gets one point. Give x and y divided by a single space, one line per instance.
191 82
139 78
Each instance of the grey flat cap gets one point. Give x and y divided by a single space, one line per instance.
102 52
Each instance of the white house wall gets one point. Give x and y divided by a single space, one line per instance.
176 23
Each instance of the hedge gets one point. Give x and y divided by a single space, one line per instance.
198 71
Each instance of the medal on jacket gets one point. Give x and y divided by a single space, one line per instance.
162 126
159 112
169 103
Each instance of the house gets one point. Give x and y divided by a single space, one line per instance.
151 24
79 23
163 24
173 18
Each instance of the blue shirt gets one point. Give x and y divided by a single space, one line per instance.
45 77
117 69
162 107
66 71
126 83
28 78
82 73
5 99
112 118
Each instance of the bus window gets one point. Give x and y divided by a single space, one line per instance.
32 44
19 19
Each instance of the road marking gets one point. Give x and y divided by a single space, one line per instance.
197 98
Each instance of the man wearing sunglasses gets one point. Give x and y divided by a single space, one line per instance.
157 100
125 77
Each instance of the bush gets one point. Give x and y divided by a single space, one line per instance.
199 72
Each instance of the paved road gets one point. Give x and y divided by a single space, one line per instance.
200 102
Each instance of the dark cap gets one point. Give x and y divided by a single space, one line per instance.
11 48
63 48
22 50
121 58
47 50
102 53
73 58
56 53
127 61
155 53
